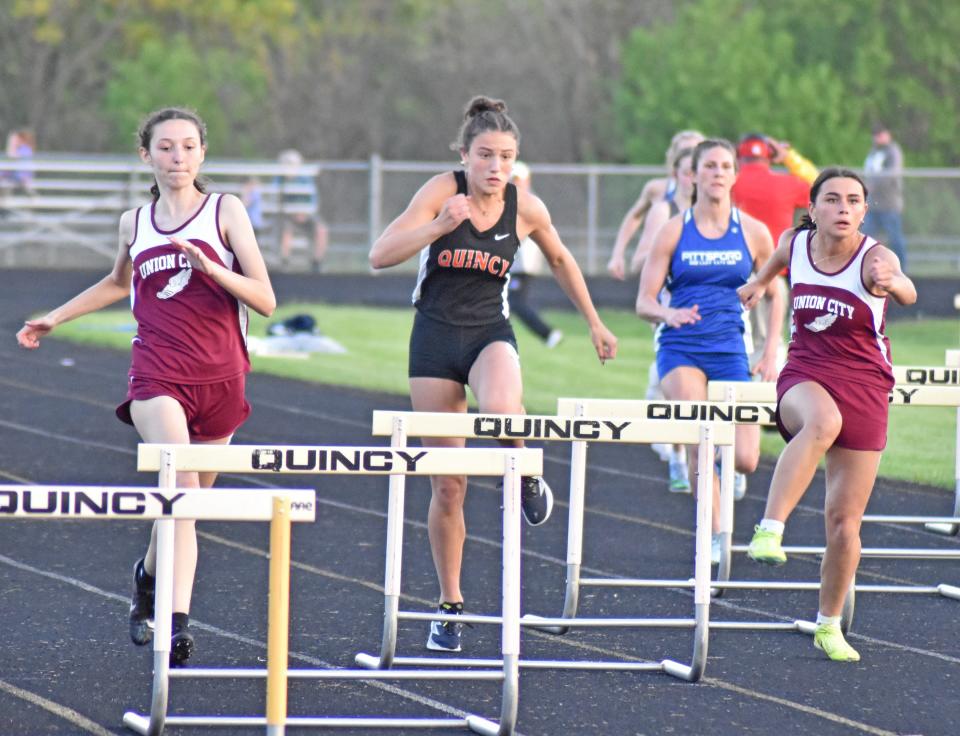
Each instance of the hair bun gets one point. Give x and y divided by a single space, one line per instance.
481 104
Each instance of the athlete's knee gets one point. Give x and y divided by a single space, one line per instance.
823 428
449 492
843 528
747 459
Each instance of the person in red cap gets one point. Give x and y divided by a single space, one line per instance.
770 196
773 197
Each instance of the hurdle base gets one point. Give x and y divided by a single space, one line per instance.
681 671
533 618
949 591
948 530
483 726
367 661
136 722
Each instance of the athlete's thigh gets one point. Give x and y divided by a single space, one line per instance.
850 476
495 379
438 394
207 479
160 420
806 403
685 383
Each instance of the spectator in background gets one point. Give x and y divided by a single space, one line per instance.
884 179
252 197
21 144
526 265
305 214
773 198
653 191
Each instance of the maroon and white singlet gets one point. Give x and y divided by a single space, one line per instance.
189 329
837 341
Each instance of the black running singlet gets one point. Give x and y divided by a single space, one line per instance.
464 274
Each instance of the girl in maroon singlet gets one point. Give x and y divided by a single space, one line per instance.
193 264
832 392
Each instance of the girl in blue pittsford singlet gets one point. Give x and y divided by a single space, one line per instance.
703 256
707 272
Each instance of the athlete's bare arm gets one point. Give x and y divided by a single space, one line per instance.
110 289
654 275
655 219
761 247
533 220
435 210
252 287
653 191
882 276
753 291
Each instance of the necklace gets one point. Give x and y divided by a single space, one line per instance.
842 254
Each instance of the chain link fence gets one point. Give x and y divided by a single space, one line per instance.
68 218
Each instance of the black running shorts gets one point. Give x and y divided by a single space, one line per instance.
442 350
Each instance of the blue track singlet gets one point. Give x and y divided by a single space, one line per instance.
707 272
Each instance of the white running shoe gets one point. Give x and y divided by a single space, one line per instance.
739 486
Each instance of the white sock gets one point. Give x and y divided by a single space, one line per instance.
772 525
827 620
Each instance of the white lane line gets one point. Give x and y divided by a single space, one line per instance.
60 711
826 715
429 702
387 687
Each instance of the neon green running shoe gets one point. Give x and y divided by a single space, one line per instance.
829 639
765 547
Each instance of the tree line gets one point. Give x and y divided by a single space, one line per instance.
587 81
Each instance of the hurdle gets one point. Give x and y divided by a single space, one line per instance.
509 464
165 505
902 395
948 375
727 411
402 425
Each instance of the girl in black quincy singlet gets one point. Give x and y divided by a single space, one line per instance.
467 226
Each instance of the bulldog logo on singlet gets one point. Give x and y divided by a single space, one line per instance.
478 260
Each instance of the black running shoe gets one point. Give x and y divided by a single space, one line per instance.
141 606
181 647
536 499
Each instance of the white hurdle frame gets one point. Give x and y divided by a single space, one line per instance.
662 410
949 375
402 425
901 395
278 506
509 464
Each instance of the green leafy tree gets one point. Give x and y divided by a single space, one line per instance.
223 86
719 67
815 73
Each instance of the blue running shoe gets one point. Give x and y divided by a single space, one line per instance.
445 635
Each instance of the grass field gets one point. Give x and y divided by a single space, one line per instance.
921 440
